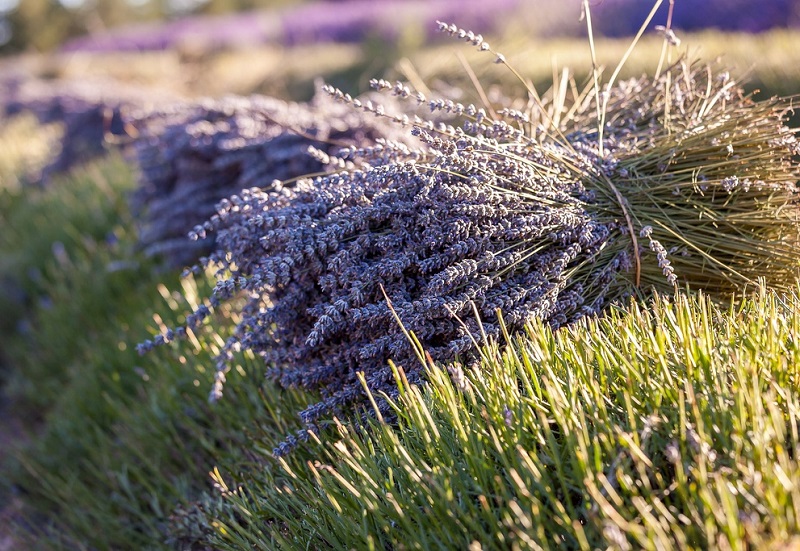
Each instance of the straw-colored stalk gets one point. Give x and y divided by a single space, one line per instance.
710 170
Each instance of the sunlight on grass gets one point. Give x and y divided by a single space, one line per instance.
25 148
666 425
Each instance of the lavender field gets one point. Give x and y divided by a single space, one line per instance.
399 275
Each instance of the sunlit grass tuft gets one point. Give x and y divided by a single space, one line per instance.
27 147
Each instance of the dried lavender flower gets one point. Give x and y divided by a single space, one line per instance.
192 155
469 221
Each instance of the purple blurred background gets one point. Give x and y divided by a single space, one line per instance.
344 21
137 25
623 17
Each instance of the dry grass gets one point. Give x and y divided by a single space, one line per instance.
768 59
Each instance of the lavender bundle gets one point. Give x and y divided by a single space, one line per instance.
465 224
193 154
521 213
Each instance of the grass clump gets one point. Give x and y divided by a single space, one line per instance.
48 237
130 442
27 147
666 425
113 442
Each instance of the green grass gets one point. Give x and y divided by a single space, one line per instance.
672 423
115 441
668 425
42 229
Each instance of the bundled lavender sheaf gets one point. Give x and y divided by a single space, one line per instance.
436 243
193 154
477 222
511 214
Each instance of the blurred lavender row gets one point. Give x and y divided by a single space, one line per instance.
90 112
241 29
351 21
191 153
623 17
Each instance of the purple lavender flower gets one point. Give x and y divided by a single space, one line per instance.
191 155
466 224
